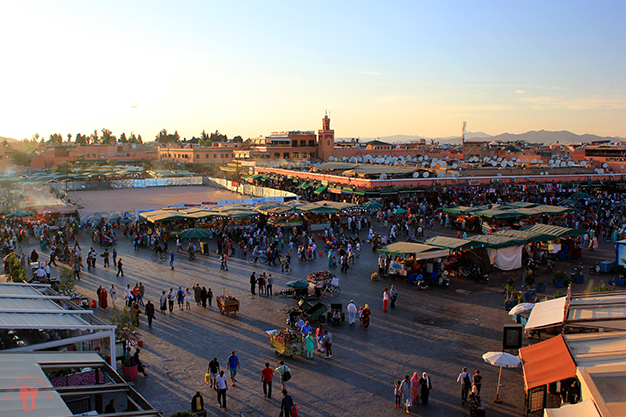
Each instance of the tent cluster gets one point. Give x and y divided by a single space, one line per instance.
243 211
516 209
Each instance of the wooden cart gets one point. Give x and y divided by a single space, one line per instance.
228 306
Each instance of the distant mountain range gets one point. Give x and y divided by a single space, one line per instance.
2 139
541 136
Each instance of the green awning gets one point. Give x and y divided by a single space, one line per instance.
306 185
320 190
254 177
346 190
420 250
384 193
526 235
555 231
459 209
247 176
453 243
358 192
495 241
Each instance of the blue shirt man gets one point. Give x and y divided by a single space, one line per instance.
172 259
233 364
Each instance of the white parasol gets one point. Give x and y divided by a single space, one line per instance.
503 360
521 308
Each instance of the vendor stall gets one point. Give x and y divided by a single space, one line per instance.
285 342
227 304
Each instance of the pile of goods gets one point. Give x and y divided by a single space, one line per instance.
320 276
226 298
286 342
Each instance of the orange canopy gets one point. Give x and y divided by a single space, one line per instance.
546 362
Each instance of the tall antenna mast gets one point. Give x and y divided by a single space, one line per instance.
463 133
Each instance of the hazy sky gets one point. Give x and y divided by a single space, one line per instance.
252 67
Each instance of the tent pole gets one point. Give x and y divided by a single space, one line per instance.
497 400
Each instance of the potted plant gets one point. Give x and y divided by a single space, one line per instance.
66 281
125 330
541 286
509 302
560 279
15 268
529 279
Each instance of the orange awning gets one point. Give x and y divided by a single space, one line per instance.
546 362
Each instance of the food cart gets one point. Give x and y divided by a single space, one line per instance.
285 342
227 304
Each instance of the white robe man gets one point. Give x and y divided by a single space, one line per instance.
352 310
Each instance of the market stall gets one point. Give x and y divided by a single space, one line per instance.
413 259
227 304
285 342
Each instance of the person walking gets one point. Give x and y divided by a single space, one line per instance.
365 316
415 390
210 297
352 310
150 312
120 270
464 379
286 405
270 285
163 302
232 363
284 372
222 387
171 297
393 296
214 369
197 293
203 296
76 270
477 380
105 255
267 375
425 387
187 299
172 259
253 283
114 257
328 344
385 299
406 389
180 298
197 404
309 344
113 294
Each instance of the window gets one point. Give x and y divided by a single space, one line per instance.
286 155
276 155
311 142
295 155
206 156
197 156
303 143
214 155
221 155
294 143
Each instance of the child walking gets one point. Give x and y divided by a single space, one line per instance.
398 394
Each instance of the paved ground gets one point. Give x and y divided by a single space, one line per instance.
130 199
438 331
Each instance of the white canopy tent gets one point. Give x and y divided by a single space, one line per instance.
586 408
37 306
546 314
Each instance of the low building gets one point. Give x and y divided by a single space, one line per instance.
73 153
188 153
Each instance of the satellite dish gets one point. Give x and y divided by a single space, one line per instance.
354 160
503 164
447 157
563 164
455 174
583 163
541 161
443 164
383 176
425 164
526 160
534 161
570 163
486 158
551 161
605 165
499 159
425 157
601 171
420 159
494 163
440 174
408 158
510 163
499 175
416 175
454 166
621 166
426 174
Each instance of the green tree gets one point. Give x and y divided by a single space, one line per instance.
218 137
93 138
238 139
5 143
69 137
107 137
21 158
15 268
81 139
139 139
66 281
164 137
123 138
55 139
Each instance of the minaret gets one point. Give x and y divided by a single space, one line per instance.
325 139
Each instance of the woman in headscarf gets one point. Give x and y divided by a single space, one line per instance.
416 387
365 315
425 387
406 389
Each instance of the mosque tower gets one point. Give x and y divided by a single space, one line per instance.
325 139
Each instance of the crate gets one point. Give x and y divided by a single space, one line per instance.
607 266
